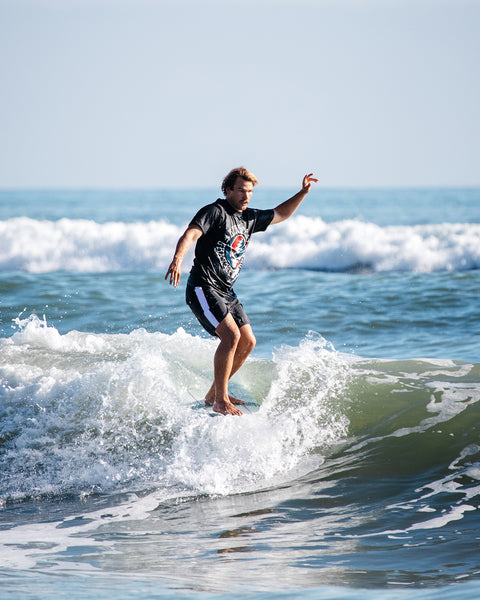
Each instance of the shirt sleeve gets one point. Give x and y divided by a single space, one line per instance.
205 218
263 218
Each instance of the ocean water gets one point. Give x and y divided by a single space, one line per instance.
355 470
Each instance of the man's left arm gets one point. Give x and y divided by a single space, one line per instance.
287 208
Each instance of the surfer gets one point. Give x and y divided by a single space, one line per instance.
221 232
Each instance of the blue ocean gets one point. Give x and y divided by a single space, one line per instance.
354 472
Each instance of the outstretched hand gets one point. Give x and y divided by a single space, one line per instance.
307 182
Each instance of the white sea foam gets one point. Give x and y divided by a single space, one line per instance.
455 514
82 245
301 242
304 242
83 412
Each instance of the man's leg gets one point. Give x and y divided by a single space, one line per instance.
244 348
235 346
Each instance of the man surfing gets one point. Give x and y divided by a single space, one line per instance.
221 232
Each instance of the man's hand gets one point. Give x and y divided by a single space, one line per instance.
175 271
286 209
191 235
307 182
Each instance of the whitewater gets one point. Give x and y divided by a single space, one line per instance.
82 245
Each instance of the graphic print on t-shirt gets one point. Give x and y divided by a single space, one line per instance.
231 254
235 250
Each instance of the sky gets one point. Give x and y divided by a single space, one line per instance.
162 94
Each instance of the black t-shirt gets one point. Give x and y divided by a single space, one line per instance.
220 251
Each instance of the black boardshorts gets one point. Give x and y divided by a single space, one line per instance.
211 307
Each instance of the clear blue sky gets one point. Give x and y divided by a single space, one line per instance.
173 93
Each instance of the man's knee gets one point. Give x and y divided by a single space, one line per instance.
229 332
247 339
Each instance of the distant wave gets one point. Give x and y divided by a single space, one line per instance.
299 243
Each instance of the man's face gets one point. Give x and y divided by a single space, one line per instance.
240 195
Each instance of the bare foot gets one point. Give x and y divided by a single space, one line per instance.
233 400
225 408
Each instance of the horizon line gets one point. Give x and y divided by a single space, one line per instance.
373 187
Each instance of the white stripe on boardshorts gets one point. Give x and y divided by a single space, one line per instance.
211 307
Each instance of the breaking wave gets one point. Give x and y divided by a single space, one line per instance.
302 242
83 413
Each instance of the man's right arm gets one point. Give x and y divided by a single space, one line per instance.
191 235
